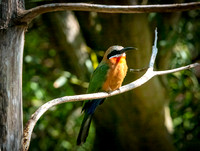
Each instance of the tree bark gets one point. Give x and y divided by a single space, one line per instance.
11 51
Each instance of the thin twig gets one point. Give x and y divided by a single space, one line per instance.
155 50
138 70
177 69
27 15
146 77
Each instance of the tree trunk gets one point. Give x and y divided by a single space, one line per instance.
134 120
11 51
67 39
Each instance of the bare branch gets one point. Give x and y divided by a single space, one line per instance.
138 70
146 77
27 15
177 69
155 50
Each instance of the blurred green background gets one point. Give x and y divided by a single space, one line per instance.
61 51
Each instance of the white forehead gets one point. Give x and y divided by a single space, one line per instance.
116 47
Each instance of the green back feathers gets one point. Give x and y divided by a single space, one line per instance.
98 78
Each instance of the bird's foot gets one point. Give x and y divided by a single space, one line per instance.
109 92
119 89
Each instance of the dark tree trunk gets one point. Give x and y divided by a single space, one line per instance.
67 39
11 51
134 120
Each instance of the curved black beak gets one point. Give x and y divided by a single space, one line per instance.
126 49
119 52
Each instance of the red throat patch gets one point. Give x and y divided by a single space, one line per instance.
116 60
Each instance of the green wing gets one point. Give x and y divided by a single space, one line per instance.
96 82
98 78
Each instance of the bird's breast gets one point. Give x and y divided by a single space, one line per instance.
116 73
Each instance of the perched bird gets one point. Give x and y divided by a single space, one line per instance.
107 77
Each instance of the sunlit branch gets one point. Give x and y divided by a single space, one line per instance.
142 80
27 15
155 51
177 69
138 70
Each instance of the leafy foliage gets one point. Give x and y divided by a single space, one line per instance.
44 78
184 86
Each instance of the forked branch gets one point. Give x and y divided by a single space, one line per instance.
150 73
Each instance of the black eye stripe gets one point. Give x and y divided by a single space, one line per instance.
114 52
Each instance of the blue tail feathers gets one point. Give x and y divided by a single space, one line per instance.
89 109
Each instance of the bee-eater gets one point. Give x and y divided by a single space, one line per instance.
107 77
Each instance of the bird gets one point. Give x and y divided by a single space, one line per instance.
107 77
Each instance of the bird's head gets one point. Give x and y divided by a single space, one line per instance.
116 52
